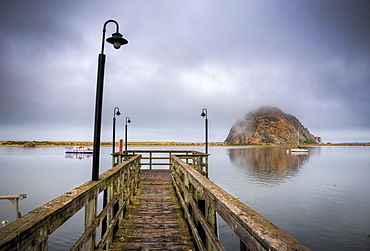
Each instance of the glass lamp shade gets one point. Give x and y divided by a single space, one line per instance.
117 40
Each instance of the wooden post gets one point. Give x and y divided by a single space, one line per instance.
90 214
16 208
43 246
187 185
110 191
104 223
169 156
15 200
212 221
120 185
114 160
150 159
120 146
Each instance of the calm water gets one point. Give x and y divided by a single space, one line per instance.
321 198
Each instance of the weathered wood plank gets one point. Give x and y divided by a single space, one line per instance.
154 220
254 230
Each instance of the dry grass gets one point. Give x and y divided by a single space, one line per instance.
90 144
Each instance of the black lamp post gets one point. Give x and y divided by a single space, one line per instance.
204 114
127 121
117 40
115 112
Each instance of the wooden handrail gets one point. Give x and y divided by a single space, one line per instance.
254 231
32 230
196 159
200 198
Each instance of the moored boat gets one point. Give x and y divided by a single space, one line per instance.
299 150
78 149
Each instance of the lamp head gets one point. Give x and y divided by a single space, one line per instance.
116 111
204 112
117 40
128 120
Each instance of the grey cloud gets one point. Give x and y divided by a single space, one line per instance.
310 59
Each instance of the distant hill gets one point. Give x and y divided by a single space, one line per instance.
269 125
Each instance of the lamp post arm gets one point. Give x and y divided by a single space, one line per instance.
104 30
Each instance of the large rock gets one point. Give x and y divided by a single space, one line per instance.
269 125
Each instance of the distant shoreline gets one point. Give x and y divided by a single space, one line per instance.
103 144
153 144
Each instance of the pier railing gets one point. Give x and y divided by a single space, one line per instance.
31 232
202 200
162 158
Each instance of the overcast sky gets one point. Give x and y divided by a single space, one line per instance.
309 58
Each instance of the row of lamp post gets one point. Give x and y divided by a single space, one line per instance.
128 120
116 40
117 112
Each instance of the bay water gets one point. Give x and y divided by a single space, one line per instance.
321 198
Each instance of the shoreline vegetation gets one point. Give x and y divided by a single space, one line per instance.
107 144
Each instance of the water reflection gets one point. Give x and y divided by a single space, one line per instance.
77 155
268 165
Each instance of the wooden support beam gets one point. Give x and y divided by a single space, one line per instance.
14 199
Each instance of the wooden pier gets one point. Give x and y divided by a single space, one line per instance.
145 208
154 220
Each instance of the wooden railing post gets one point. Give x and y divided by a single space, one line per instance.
104 223
211 220
170 160
43 246
90 214
110 214
206 163
121 183
114 160
150 159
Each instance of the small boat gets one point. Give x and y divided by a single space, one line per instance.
77 155
78 149
300 148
